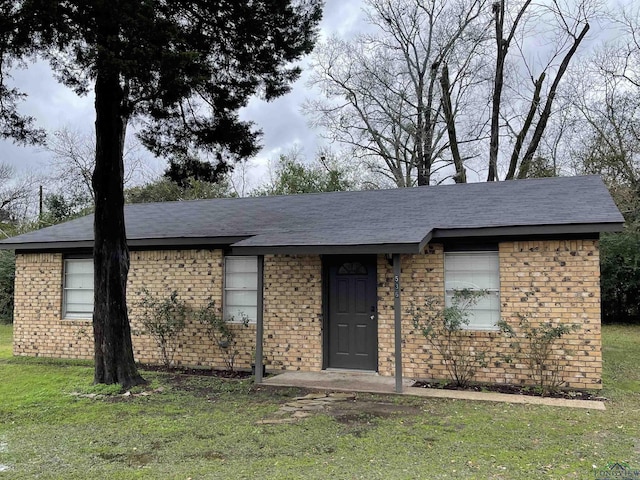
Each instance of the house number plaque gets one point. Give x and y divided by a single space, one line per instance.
396 286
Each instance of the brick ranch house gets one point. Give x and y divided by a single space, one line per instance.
326 279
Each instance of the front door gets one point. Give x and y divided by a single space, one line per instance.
352 324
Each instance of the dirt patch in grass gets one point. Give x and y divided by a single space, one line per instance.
135 459
345 408
214 387
514 390
358 417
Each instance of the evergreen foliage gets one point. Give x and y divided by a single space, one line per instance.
182 69
164 190
292 176
7 276
620 277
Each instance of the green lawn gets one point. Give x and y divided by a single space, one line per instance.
199 427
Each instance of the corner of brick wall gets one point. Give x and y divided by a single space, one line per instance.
557 282
38 328
293 312
547 281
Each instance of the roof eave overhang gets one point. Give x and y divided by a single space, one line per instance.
134 244
413 247
326 249
527 230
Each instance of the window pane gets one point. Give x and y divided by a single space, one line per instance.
472 261
79 280
84 308
241 285
236 313
475 271
80 265
242 297
482 319
79 296
78 288
242 280
352 268
241 264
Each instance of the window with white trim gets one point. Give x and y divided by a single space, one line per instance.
475 271
77 299
240 288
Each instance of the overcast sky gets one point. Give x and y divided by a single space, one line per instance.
283 125
55 106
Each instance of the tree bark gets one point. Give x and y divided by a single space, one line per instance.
502 48
420 156
498 82
113 350
461 175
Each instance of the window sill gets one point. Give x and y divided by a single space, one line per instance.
481 329
76 319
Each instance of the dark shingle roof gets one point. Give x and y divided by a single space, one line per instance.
398 219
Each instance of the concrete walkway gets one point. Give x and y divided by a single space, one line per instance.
373 383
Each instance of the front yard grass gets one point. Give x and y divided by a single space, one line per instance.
204 427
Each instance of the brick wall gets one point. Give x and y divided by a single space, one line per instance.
37 329
556 281
293 312
292 301
421 276
196 275
545 280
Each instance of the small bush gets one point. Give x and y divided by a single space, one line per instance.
444 329
163 319
7 277
535 349
221 333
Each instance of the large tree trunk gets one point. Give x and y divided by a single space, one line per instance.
498 82
114 362
461 174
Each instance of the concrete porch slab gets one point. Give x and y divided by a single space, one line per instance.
371 382
345 381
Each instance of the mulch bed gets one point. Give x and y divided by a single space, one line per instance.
204 372
514 390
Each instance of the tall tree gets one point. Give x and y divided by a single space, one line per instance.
382 92
15 193
183 69
442 87
526 120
